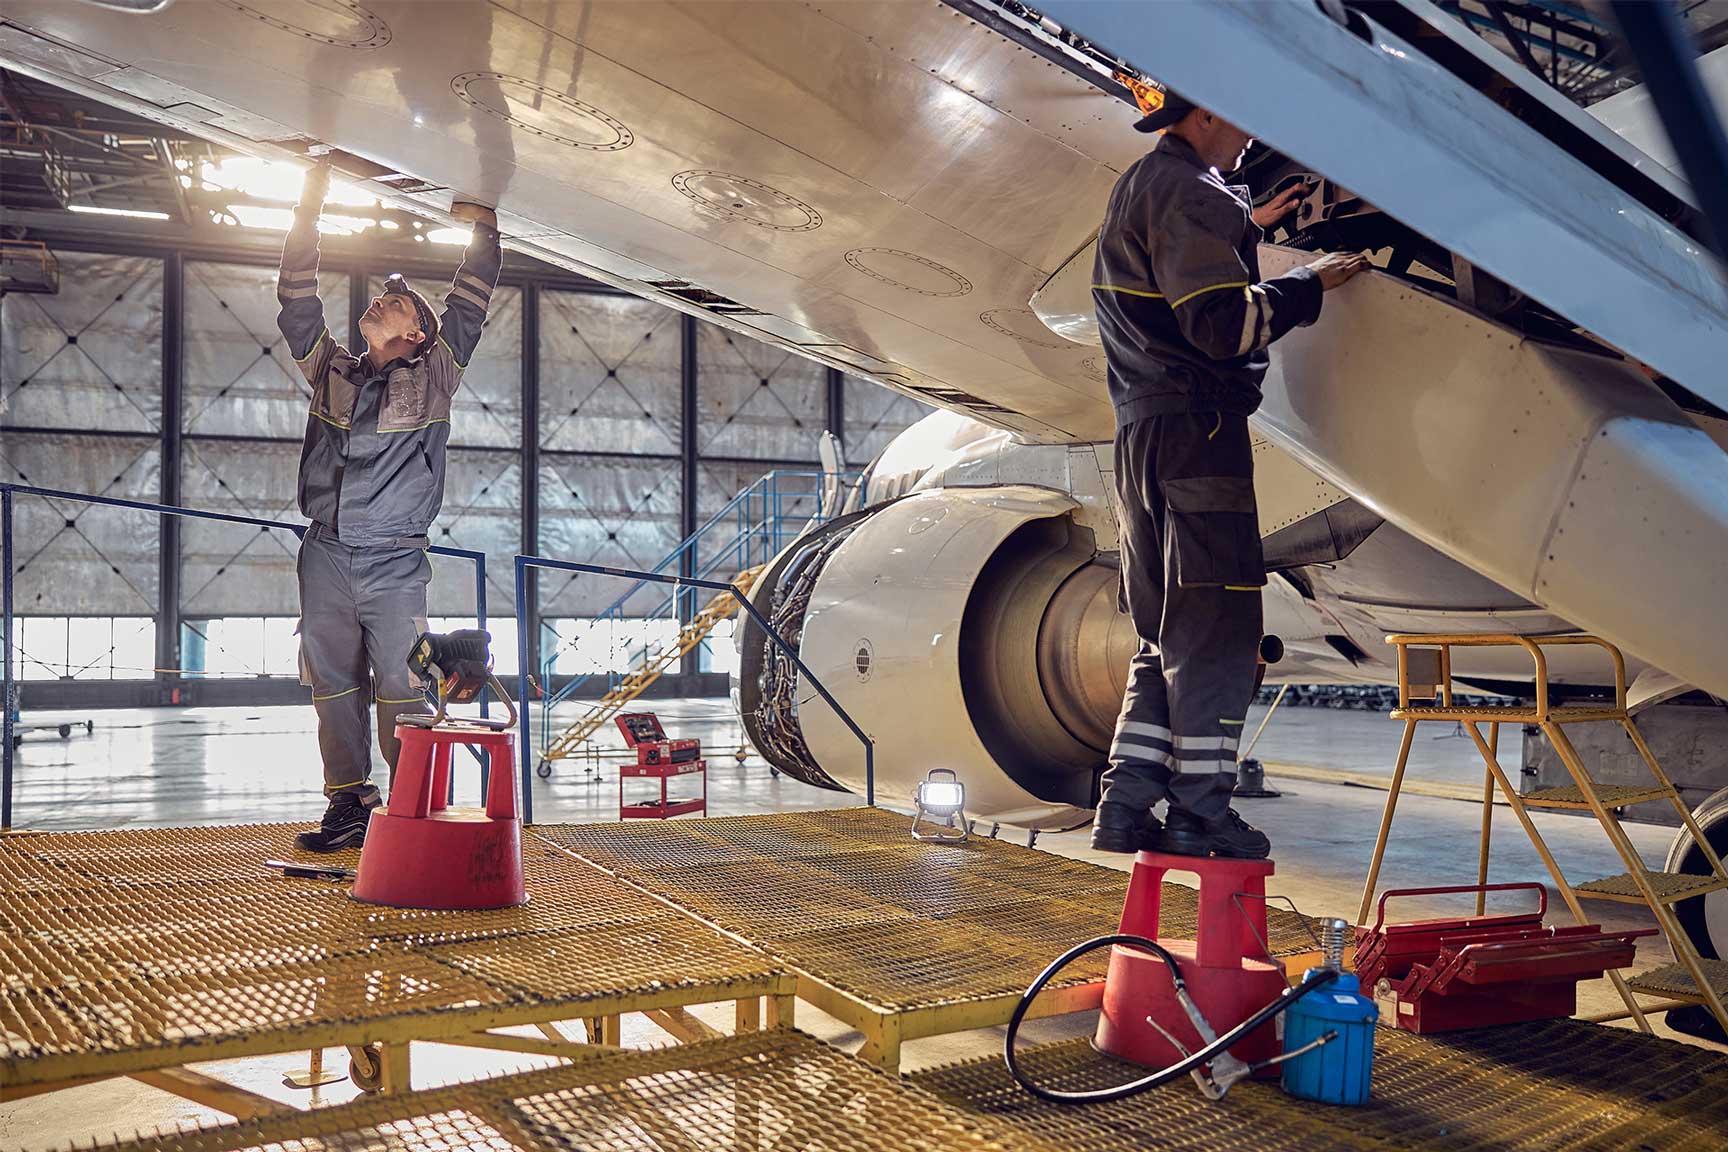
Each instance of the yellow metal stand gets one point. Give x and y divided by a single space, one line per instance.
1425 673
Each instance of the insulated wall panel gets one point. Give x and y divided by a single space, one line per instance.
236 569
76 559
611 510
241 379
90 355
756 400
482 512
874 415
609 374
755 528
487 412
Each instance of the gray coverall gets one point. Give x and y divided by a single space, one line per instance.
371 482
1185 320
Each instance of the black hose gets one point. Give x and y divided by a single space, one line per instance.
1316 979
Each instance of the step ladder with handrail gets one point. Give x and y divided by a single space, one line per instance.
1425 674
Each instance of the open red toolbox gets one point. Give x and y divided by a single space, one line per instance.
1470 972
662 759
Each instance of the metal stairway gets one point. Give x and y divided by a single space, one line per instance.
753 528
1424 673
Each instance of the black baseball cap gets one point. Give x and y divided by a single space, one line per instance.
396 284
1171 110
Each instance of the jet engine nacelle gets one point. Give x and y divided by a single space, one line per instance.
974 629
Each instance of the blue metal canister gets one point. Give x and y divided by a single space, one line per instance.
1338 1071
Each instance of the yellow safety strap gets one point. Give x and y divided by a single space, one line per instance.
1129 291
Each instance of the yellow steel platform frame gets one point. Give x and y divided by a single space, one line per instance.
1425 673
897 938
135 953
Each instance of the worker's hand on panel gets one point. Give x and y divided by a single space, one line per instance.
1335 268
1280 205
471 212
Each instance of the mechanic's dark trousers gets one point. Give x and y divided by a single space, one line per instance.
1192 573
361 610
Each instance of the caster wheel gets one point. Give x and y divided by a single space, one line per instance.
89 727
774 772
65 731
544 770
366 1069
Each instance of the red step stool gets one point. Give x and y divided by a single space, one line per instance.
1474 971
422 853
1227 969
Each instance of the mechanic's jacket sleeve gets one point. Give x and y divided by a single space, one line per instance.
465 307
1219 306
301 319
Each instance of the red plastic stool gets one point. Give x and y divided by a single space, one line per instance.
1228 971
420 853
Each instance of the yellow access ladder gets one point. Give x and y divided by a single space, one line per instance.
1425 674
653 666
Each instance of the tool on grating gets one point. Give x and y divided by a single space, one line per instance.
1470 972
420 852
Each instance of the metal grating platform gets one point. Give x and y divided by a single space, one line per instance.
877 925
1611 795
1555 1085
1669 886
131 950
1674 980
774 1091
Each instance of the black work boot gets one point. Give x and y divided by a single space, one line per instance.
1123 828
1186 834
343 826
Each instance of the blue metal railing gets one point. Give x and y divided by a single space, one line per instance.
761 520
7 623
678 583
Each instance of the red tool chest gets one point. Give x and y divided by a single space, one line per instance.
1470 972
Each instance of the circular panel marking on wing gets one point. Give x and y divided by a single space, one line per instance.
543 111
1023 325
342 23
909 270
1095 369
747 201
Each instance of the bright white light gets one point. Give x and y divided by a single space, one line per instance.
457 236
937 794
94 210
391 225
282 219
277 180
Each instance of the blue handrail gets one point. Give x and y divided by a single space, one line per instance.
7 491
758 536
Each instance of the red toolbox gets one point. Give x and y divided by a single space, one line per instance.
662 759
1475 971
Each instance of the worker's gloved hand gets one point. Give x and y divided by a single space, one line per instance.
474 213
1335 268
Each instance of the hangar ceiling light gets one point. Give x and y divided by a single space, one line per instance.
277 180
98 210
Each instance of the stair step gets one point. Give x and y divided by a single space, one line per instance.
1668 886
1611 795
1675 982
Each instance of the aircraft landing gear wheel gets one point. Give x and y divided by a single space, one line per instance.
543 769
1704 918
366 1068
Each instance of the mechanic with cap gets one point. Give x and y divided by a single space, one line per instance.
371 482
1185 319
